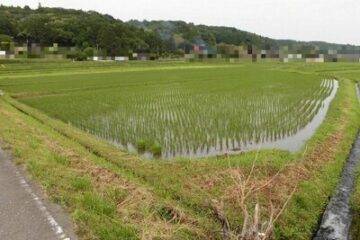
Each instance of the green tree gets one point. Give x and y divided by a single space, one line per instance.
108 40
89 51
36 28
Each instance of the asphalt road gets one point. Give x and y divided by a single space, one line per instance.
24 213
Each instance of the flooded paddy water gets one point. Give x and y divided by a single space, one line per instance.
225 126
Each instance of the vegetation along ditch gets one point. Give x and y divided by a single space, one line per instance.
337 217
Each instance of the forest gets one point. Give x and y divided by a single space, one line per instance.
89 30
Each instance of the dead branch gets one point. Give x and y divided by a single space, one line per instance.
254 227
220 215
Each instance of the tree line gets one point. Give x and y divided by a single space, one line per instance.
90 31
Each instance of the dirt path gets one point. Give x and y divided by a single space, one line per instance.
24 214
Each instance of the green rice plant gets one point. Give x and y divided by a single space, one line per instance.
156 150
141 146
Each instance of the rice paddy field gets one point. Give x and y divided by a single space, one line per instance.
268 138
183 110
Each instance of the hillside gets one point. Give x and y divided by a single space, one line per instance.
90 29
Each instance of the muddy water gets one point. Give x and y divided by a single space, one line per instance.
337 217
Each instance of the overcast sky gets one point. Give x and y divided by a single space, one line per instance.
327 20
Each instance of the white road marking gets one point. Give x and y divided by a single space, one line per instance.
58 230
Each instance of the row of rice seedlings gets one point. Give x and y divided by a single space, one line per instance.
178 122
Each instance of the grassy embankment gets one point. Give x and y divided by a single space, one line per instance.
112 194
355 230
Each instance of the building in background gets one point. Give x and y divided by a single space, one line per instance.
198 51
